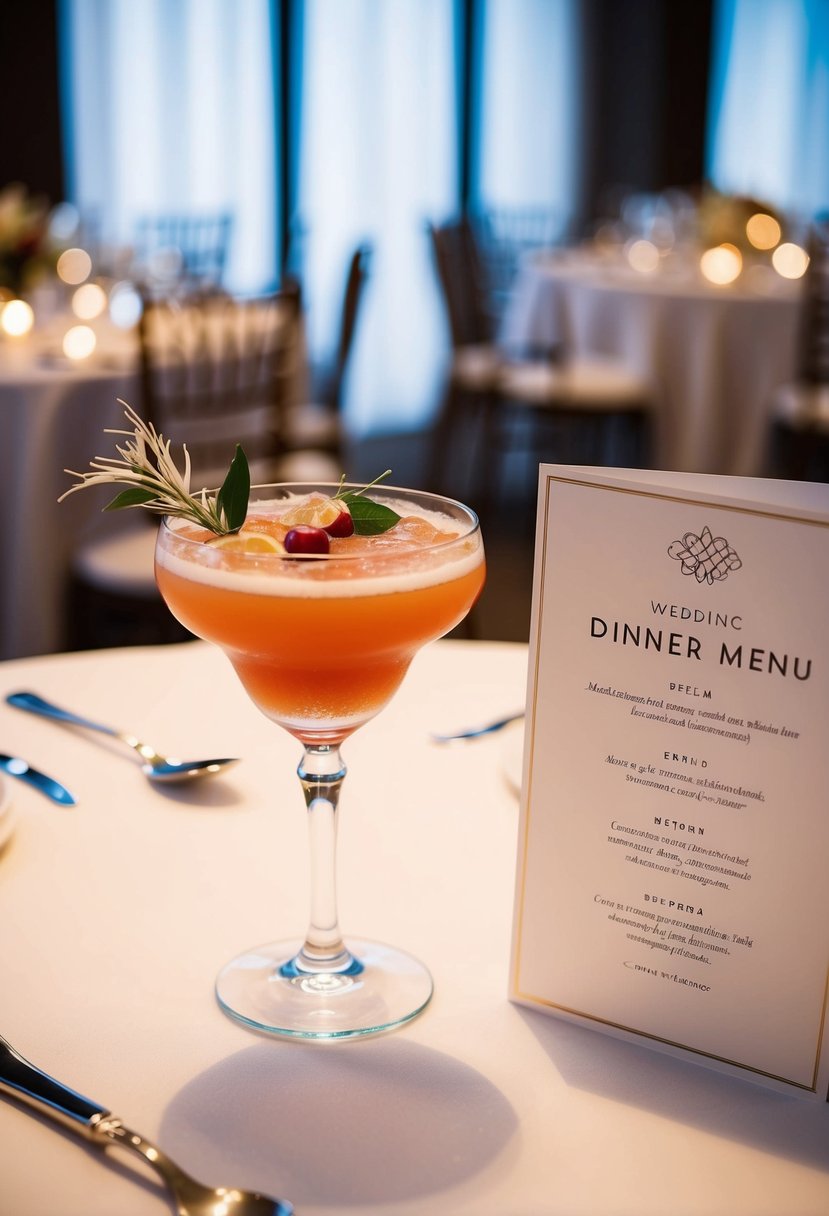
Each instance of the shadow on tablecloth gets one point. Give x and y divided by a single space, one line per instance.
747 1113
347 1124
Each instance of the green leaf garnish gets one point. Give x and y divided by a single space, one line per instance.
232 499
145 465
370 518
130 498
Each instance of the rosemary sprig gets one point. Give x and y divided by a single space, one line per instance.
343 493
146 467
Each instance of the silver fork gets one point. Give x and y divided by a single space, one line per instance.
20 1079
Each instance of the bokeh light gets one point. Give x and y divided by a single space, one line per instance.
790 261
74 266
763 231
79 342
64 221
125 305
722 264
89 301
643 256
17 318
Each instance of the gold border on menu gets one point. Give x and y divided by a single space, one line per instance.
592 1017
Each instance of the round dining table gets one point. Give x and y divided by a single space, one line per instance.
117 913
53 412
712 355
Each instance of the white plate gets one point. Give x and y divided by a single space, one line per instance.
6 811
512 755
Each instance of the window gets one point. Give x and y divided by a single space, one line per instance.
170 106
528 132
377 158
769 112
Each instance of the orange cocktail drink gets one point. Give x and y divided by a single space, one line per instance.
320 602
322 642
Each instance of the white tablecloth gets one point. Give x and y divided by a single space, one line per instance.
52 417
53 414
116 915
714 356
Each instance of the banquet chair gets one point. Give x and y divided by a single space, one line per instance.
503 235
188 250
800 410
312 434
571 410
215 371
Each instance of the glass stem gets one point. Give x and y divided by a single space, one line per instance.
321 773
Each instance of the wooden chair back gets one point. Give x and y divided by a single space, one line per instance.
192 249
462 282
217 371
359 265
503 236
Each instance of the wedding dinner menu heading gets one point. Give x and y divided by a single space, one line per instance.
673 864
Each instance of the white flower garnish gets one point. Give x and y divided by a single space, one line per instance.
145 465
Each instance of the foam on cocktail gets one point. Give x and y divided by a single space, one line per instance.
378 568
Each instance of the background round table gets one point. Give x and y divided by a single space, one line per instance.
714 356
53 412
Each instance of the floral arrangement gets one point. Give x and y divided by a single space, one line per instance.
25 248
722 218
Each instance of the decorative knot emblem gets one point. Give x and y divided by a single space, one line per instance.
709 558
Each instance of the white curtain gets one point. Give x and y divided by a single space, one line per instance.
530 83
769 111
377 158
171 109
170 106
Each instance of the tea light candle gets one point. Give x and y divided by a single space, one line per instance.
722 264
89 301
763 230
17 318
79 342
790 261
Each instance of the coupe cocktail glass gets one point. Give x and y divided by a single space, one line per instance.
321 643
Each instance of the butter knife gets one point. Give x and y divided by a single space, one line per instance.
53 789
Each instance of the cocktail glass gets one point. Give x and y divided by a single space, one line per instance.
321 645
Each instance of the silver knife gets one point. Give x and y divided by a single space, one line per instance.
53 789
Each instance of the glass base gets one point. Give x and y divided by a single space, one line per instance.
264 989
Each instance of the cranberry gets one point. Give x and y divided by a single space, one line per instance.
343 525
305 539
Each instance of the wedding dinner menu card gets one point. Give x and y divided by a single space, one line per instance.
673 863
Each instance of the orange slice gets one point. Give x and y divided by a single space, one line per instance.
248 542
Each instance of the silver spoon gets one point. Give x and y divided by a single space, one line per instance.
22 1080
155 766
475 732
